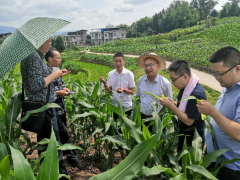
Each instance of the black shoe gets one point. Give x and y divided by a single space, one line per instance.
63 178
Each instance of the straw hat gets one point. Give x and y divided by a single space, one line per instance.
160 60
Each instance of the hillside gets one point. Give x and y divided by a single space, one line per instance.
193 44
6 29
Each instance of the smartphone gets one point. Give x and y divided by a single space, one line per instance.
72 92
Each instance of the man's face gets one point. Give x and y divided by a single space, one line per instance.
56 60
178 81
119 62
226 80
45 46
151 67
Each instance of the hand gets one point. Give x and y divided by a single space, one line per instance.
65 71
120 90
167 102
102 79
66 91
61 93
205 107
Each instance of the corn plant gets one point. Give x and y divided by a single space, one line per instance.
21 169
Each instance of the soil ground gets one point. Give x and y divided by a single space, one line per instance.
91 166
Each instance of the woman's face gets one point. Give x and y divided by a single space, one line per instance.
45 46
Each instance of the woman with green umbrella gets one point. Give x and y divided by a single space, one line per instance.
28 44
37 76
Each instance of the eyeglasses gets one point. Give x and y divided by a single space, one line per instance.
177 78
220 75
49 42
148 65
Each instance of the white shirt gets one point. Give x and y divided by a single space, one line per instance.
125 80
160 85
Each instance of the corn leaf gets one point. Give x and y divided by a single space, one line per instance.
43 108
196 149
132 164
201 170
155 170
180 177
5 168
22 168
117 140
49 169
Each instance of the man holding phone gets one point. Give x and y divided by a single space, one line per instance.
53 59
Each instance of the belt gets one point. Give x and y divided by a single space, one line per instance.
145 116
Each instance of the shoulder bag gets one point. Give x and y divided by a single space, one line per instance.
36 121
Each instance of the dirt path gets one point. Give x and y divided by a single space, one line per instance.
205 79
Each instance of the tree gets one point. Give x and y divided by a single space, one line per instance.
109 25
205 7
214 13
224 13
59 44
234 9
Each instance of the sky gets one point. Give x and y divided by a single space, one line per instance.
83 14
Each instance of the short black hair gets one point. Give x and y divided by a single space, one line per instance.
118 54
50 53
180 67
229 56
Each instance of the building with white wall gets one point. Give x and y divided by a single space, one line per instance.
100 36
76 38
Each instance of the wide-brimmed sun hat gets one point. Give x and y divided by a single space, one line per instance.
160 60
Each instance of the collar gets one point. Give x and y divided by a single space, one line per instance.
40 54
123 71
157 78
233 86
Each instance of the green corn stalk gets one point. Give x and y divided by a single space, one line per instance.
198 100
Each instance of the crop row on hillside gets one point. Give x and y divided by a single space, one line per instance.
195 48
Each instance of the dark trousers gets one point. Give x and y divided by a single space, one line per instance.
115 116
46 133
189 138
65 138
143 116
226 173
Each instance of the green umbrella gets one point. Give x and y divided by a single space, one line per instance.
26 40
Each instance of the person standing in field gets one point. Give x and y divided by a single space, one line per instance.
225 116
36 77
186 111
53 59
151 82
121 81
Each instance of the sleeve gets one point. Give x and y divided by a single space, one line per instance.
138 87
109 80
167 88
191 108
131 80
34 75
237 116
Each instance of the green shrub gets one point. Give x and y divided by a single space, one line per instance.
74 66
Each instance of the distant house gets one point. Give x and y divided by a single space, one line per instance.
100 36
77 38
88 41
4 35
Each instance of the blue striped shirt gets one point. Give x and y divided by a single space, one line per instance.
229 105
